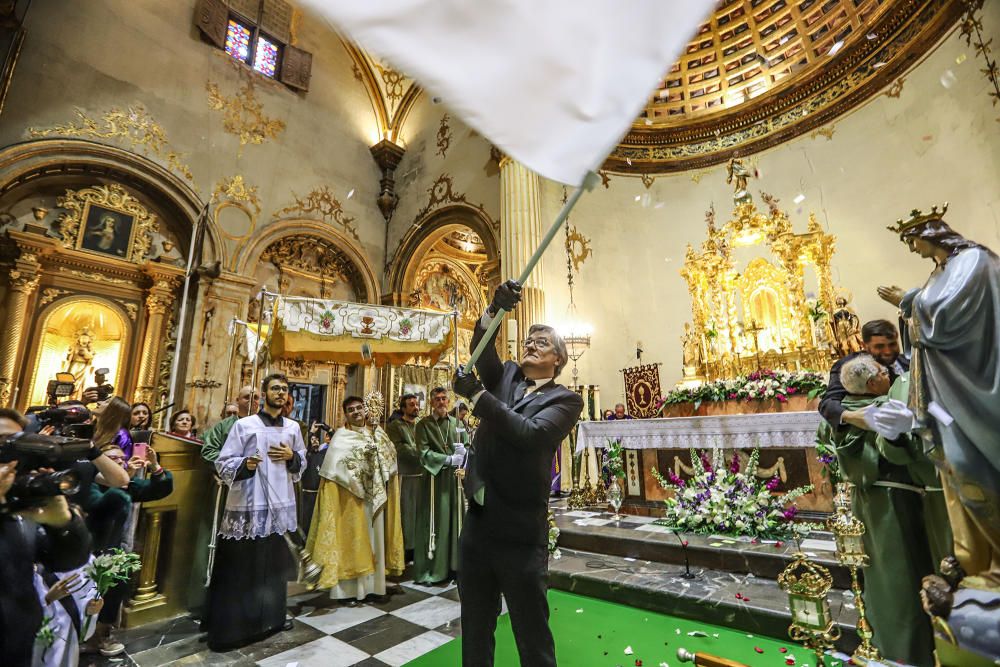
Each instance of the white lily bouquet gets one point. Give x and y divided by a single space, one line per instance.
107 570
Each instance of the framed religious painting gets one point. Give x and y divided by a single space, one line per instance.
106 220
106 230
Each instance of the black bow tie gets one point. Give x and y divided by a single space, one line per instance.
529 383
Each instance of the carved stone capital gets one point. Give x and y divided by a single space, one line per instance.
159 304
23 282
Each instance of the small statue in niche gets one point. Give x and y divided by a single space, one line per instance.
846 328
81 354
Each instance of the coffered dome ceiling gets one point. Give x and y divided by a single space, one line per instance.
761 72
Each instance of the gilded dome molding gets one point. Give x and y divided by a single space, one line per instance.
899 38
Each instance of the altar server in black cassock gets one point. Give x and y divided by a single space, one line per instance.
524 416
261 460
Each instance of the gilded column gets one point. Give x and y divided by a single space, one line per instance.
520 235
147 594
23 282
158 303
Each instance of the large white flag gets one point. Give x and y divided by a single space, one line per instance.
554 83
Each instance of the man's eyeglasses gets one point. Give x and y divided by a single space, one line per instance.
278 388
351 409
537 343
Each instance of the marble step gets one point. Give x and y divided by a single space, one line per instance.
638 537
711 597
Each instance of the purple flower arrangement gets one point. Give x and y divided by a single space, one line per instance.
720 499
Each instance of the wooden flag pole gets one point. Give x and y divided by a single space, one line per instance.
588 184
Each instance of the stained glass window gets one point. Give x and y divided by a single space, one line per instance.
238 41
265 59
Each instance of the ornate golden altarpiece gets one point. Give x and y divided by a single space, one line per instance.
85 280
757 315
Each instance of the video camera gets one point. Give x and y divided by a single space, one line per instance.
32 452
67 419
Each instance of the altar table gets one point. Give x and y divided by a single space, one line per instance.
786 441
769 429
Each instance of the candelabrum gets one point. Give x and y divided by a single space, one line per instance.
807 584
848 532
589 497
575 500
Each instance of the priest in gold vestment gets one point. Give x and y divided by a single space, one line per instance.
356 535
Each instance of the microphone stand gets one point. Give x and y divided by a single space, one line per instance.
687 574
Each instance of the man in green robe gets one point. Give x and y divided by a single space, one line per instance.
898 497
442 441
403 433
215 437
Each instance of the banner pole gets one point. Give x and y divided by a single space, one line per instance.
588 184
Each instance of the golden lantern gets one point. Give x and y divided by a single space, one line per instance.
848 531
807 585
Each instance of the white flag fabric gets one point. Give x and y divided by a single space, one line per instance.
554 83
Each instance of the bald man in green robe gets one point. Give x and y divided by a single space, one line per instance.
442 440
898 497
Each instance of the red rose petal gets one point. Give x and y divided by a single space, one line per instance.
758 649
789 661
783 650
739 596
685 542
638 663
746 599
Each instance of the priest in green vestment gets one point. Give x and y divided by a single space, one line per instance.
898 497
442 441
412 476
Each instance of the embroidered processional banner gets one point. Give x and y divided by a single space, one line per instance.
351 333
642 390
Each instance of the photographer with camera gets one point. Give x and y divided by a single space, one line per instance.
36 527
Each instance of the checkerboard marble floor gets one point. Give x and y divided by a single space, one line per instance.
413 621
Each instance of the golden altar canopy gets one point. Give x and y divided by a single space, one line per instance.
749 302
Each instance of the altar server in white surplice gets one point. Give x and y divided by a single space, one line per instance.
263 457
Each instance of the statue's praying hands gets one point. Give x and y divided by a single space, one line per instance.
893 294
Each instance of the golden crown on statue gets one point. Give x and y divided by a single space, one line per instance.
918 217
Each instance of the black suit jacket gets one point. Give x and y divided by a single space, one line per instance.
830 405
511 455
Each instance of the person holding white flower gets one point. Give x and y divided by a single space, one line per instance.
70 602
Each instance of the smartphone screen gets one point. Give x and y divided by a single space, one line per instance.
140 450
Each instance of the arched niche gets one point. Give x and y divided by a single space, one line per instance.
428 232
34 174
79 334
297 246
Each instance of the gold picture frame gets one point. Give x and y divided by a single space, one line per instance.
106 220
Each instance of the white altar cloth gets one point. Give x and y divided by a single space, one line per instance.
769 429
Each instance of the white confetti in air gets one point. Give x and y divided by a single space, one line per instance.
678 631
628 161
660 205
799 198
628 650
351 193
878 65
948 79
638 197
871 35
836 47
579 611
649 121
960 59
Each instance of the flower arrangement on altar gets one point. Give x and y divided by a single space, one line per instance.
554 537
616 460
764 384
720 499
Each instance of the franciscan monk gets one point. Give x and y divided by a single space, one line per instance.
262 459
402 432
442 442
356 535
898 497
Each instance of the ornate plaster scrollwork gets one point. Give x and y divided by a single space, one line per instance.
323 202
444 136
132 125
578 246
50 294
243 114
313 256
